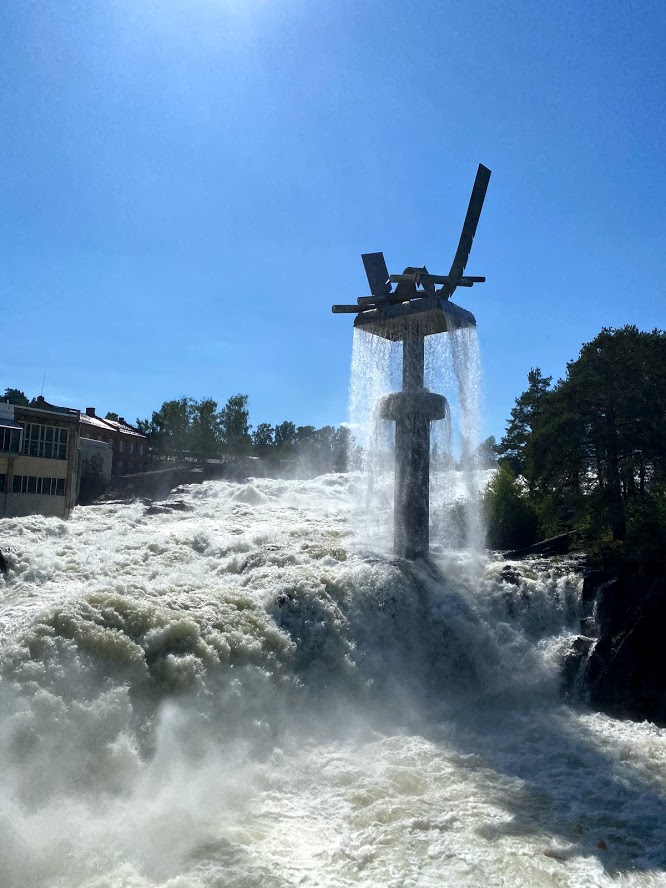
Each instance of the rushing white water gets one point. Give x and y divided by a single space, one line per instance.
241 694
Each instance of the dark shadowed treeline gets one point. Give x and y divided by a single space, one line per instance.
588 454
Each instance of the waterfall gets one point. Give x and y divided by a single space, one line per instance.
452 368
234 693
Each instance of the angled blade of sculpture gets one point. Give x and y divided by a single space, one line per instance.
469 228
377 274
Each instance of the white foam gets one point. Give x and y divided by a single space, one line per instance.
247 693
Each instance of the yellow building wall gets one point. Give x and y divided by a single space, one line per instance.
42 468
18 505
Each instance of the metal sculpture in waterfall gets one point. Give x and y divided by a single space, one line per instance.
419 306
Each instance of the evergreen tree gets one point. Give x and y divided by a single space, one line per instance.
593 449
528 408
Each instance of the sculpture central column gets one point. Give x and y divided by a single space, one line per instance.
413 363
412 409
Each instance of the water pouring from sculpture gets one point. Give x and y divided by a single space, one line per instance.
419 307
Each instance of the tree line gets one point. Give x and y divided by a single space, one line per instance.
189 429
588 453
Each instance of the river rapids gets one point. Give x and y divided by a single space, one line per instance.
240 691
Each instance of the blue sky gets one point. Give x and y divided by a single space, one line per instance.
187 186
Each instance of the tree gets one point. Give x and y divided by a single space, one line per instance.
205 428
169 428
617 390
263 438
528 408
16 397
511 519
342 447
285 437
235 426
593 449
486 453
112 416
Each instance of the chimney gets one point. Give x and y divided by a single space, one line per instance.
121 420
90 411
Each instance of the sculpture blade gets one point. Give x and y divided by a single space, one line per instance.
469 225
377 274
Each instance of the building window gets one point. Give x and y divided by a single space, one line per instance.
2 483
48 442
120 467
10 440
140 449
121 446
40 486
131 447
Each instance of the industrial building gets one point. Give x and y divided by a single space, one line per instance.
39 460
130 447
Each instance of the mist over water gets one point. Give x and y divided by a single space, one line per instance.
243 694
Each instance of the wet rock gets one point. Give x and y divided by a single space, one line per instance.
573 665
626 671
510 575
4 567
589 627
166 507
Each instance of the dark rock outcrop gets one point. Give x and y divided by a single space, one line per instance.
625 674
572 674
166 507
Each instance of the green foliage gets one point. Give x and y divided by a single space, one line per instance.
529 407
169 428
313 451
189 429
112 416
263 438
592 449
235 426
205 428
16 397
511 518
285 437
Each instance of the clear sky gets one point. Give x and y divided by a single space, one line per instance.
187 186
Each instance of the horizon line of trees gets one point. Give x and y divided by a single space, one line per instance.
187 428
588 453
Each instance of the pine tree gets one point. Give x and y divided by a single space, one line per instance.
528 408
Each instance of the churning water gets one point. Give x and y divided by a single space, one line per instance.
241 693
